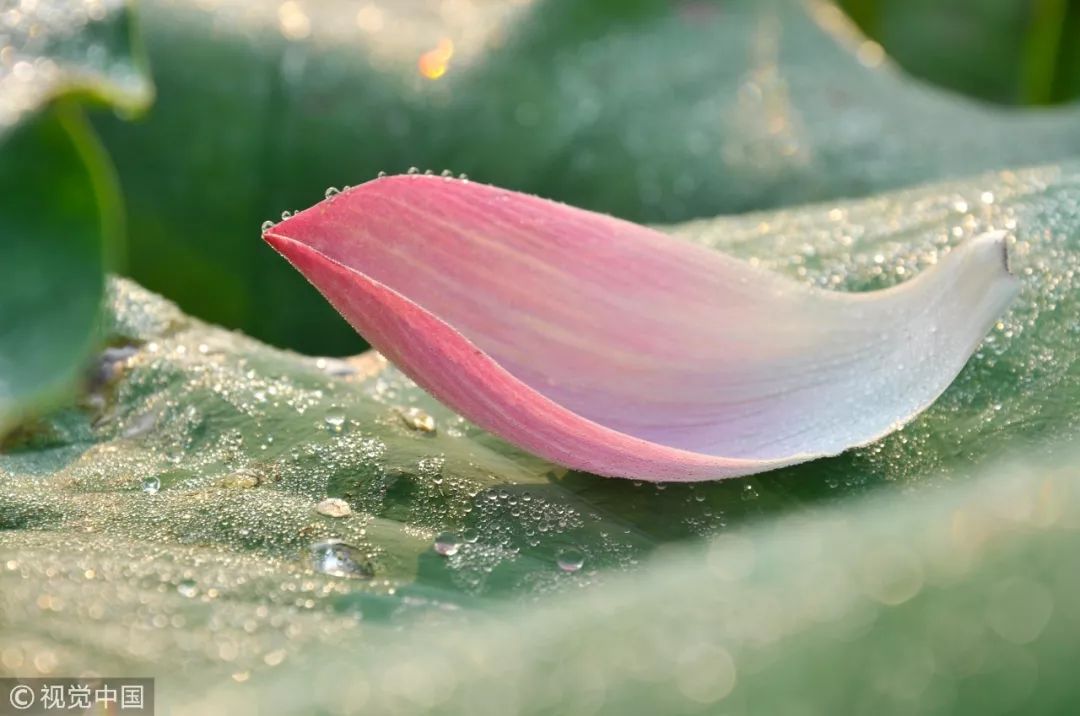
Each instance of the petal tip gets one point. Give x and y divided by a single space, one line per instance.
996 243
987 256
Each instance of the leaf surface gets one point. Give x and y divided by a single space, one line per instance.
172 519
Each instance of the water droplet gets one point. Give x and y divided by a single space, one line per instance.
570 559
242 479
428 172
285 215
413 170
151 485
332 192
463 176
339 559
447 544
335 420
267 225
380 175
418 419
333 507
187 588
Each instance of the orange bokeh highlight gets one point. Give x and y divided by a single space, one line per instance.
434 63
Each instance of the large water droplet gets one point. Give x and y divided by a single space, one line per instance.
267 225
418 419
339 559
570 559
447 544
332 192
333 507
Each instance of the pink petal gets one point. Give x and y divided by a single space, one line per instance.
609 347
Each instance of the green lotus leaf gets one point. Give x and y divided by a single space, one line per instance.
61 217
171 522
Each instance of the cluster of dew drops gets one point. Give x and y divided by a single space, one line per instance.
337 558
333 191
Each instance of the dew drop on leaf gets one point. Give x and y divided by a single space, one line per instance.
334 507
335 420
339 559
570 559
447 544
187 588
418 419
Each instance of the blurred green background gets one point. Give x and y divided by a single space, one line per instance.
1006 51
638 108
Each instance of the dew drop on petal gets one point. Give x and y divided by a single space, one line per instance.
332 192
267 225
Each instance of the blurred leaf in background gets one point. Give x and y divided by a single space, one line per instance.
60 207
1005 51
650 110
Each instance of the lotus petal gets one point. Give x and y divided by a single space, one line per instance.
610 347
